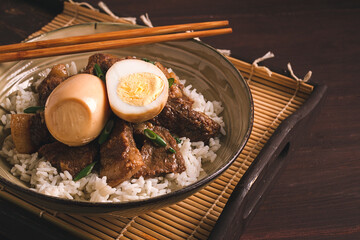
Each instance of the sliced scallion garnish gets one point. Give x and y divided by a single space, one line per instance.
171 150
106 131
177 140
34 109
85 171
99 72
171 81
147 60
154 137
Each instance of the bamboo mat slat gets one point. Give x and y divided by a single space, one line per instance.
275 97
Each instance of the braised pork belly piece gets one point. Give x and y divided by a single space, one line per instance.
180 118
40 134
57 75
119 157
159 160
176 89
71 159
105 61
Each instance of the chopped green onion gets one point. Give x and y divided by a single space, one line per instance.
171 150
154 137
99 72
147 60
171 81
177 140
34 109
106 131
85 171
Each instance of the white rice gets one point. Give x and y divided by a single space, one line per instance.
44 178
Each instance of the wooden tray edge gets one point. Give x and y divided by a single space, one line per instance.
257 180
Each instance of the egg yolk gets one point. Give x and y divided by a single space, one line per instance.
139 89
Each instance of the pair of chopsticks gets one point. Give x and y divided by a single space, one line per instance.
109 40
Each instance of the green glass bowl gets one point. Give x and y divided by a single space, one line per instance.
207 70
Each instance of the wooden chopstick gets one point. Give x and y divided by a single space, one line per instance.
142 32
103 45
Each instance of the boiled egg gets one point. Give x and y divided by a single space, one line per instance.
77 110
137 90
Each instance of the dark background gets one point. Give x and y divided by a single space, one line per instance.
317 194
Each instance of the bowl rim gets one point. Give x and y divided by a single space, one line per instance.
133 203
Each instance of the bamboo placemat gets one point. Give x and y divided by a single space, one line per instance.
275 98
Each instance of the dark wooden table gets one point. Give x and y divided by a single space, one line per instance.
317 193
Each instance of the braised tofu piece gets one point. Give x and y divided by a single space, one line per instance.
159 160
57 75
20 131
119 157
29 132
71 159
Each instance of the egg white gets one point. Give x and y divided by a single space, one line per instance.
128 112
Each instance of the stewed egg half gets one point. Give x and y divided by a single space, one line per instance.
137 90
77 110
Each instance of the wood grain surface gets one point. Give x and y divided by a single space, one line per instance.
317 193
